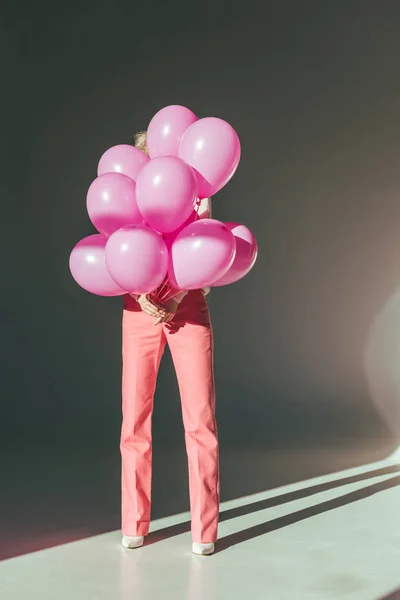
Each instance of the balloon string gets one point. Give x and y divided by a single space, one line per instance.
197 209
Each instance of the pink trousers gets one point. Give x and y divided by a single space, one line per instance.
190 339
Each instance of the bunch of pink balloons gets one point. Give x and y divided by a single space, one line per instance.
144 208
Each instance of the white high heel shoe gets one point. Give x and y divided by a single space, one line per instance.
129 541
203 549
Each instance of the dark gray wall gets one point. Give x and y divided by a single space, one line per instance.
313 89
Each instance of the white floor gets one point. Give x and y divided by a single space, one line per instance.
333 537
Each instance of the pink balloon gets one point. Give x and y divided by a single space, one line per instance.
212 147
169 239
201 254
124 159
166 193
137 258
245 257
111 202
87 264
166 129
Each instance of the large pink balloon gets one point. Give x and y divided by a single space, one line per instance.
166 193
87 263
111 202
124 159
200 254
212 147
137 258
166 129
245 257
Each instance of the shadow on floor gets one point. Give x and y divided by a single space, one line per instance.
392 596
252 532
306 513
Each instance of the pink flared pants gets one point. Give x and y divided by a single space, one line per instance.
190 339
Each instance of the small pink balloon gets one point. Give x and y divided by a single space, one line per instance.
245 257
166 193
166 129
87 264
212 147
200 254
124 159
111 202
137 258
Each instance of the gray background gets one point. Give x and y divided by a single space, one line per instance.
313 89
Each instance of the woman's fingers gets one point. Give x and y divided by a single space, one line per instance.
149 308
161 314
154 311
159 320
164 318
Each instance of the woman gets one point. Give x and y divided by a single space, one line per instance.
184 323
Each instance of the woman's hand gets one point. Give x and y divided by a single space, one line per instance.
170 307
151 308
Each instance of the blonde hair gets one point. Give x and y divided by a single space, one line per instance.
139 139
